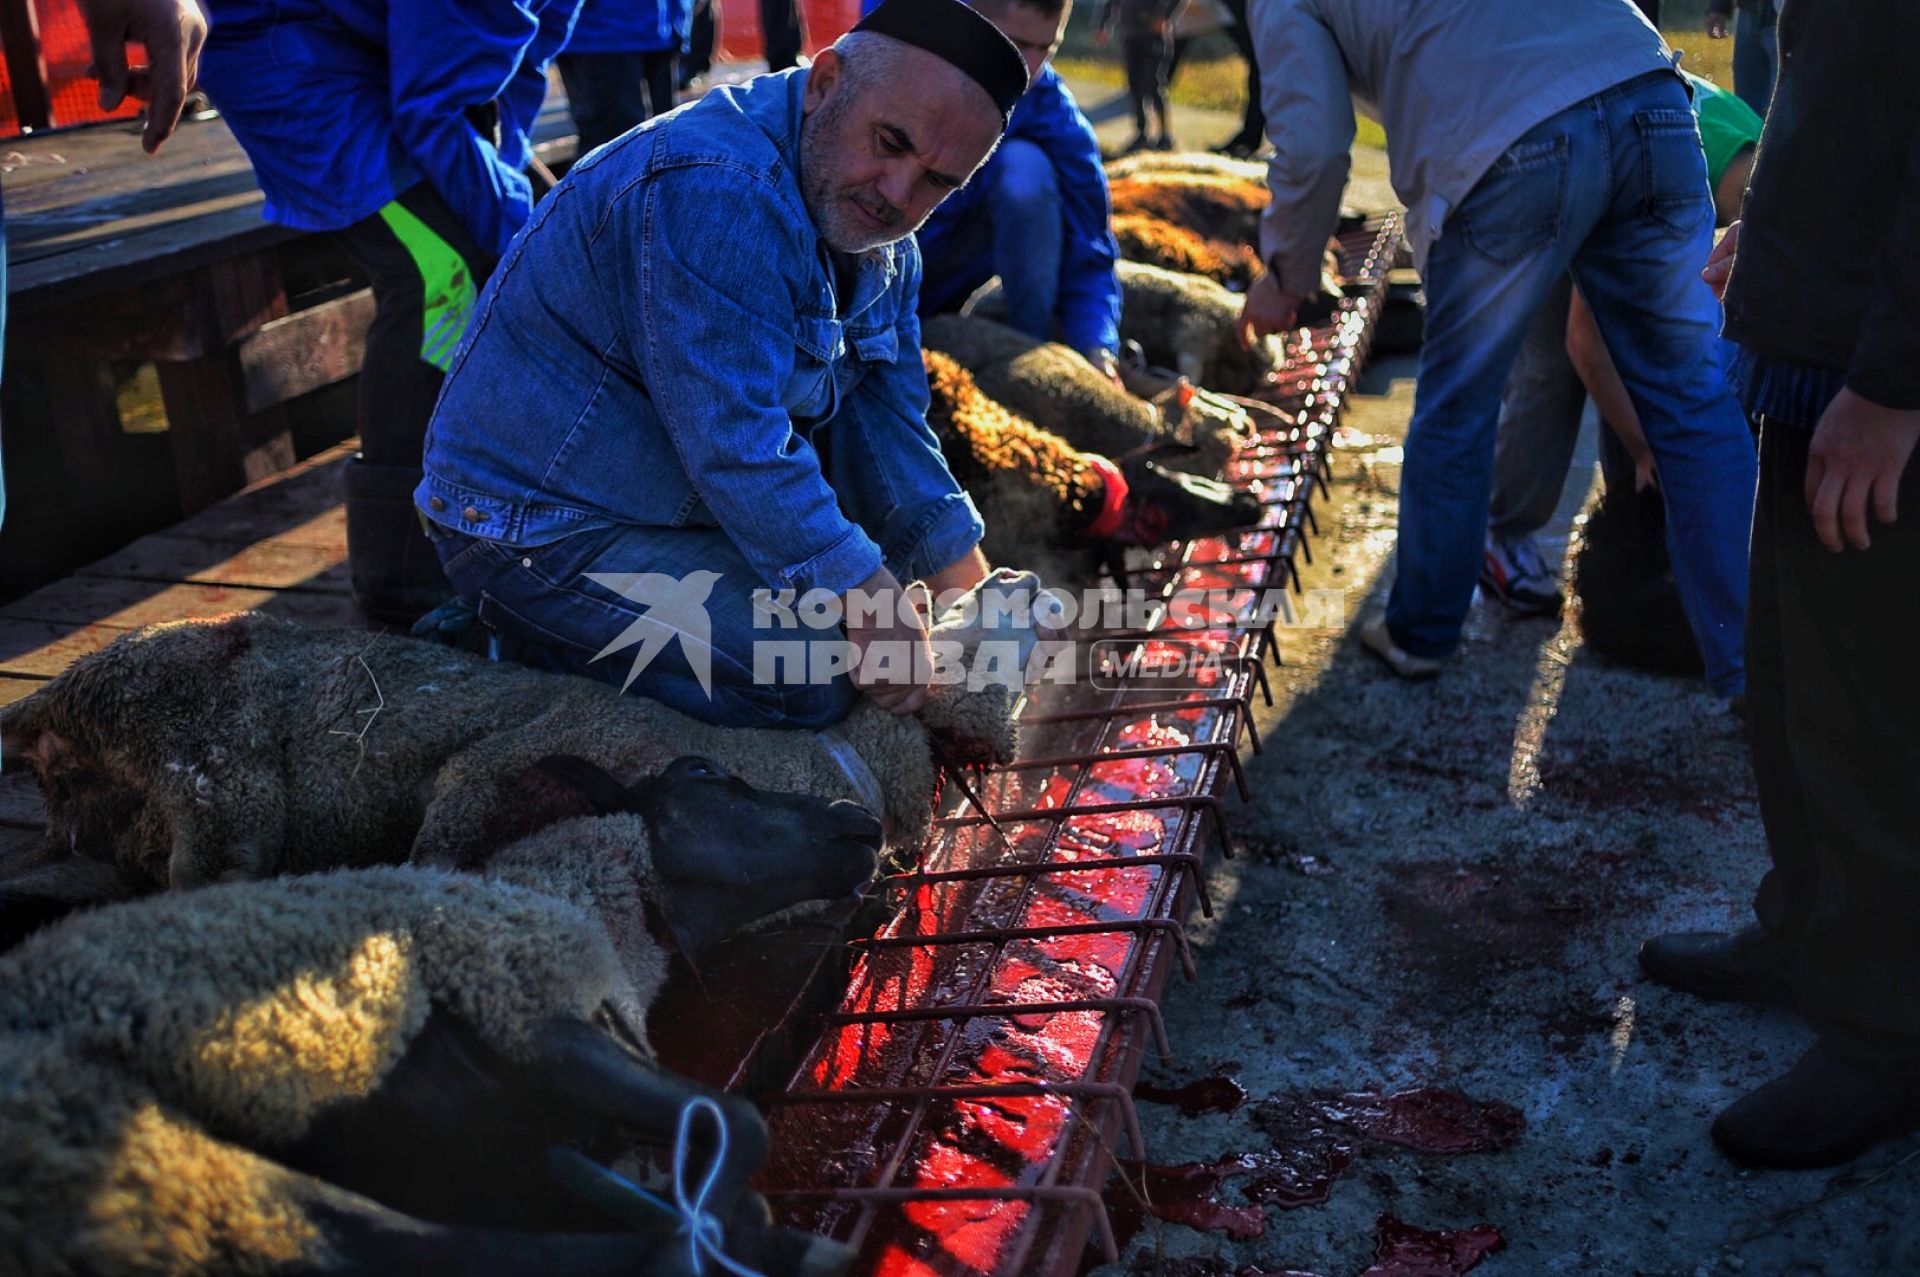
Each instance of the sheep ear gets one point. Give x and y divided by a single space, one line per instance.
591 780
43 749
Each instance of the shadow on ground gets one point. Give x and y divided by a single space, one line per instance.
1443 886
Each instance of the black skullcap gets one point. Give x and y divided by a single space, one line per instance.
949 29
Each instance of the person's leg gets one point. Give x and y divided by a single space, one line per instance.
1755 56
671 617
700 42
780 33
1539 423
1162 73
426 273
1023 209
1253 125
606 94
658 68
1640 273
956 251
1139 81
1486 278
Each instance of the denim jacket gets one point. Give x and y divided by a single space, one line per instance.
664 346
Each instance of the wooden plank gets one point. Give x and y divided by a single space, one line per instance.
306 350
188 239
14 687
20 803
26 63
268 565
300 506
46 648
128 605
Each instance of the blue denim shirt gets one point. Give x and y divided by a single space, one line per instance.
664 343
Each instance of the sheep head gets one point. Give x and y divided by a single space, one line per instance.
701 850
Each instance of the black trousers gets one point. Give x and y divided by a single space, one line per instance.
1833 696
1149 59
426 271
1253 126
609 93
780 33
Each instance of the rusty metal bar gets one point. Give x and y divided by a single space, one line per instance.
1073 1194
1185 860
1185 802
988 935
1120 1095
1012 1011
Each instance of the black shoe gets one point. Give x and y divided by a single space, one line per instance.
1823 1111
1746 965
396 573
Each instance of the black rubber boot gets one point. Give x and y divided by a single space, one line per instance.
396 574
1740 966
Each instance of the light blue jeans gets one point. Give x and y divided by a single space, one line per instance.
1615 189
1017 226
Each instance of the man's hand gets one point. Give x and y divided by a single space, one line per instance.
1268 309
1719 265
1860 450
173 31
1716 25
1107 364
901 690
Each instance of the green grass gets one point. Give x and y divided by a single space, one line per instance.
1213 78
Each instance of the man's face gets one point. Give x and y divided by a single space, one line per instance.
877 160
1036 35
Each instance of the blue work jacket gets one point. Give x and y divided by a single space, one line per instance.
631 26
1089 305
662 345
343 104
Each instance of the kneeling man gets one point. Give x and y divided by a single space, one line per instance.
697 375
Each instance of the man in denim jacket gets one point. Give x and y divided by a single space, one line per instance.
697 374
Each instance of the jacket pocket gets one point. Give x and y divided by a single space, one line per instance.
1673 166
818 342
1514 211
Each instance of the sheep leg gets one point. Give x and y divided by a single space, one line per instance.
361 1238
582 1066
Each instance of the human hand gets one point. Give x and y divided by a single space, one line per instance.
1860 450
1106 363
880 619
1719 267
1716 26
1268 309
173 31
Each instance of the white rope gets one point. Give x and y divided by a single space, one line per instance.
704 1233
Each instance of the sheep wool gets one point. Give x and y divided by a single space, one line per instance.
138 1040
1147 239
1186 322
1192 163
245 746
1057 390
1222 209
1027 482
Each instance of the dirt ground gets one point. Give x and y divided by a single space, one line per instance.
1443 886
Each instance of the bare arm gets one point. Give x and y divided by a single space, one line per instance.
1591 359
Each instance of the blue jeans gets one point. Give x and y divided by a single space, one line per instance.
539 598
1615 189
1756 56
1016 231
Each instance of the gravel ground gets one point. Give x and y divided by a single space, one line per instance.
1442 886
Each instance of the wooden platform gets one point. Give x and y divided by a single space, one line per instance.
280 546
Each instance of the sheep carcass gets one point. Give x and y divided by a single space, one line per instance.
358 1072
1061 393
1032 486
245 746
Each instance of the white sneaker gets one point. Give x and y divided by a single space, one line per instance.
1516 573
1375 637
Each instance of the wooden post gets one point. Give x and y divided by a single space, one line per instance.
26 63
219 446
